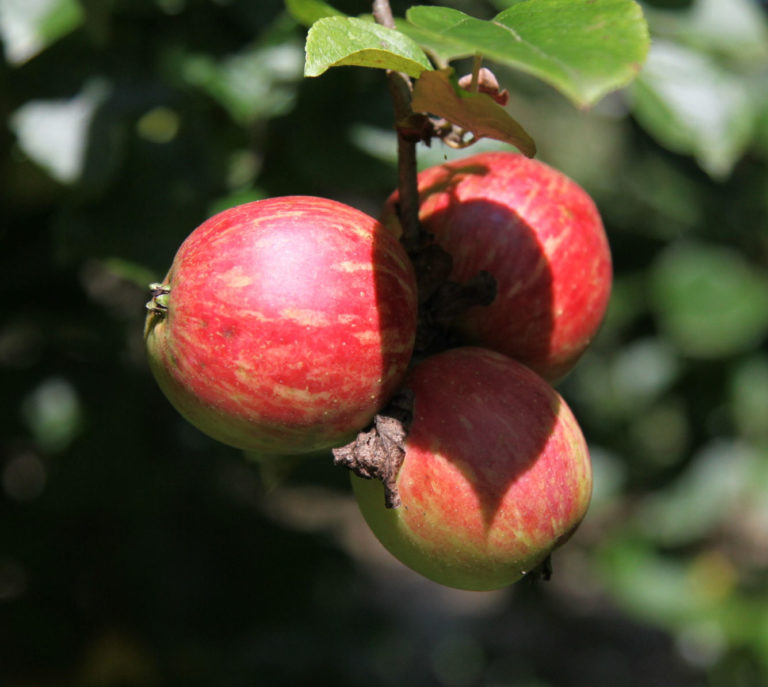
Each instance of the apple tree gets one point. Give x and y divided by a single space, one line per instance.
138 549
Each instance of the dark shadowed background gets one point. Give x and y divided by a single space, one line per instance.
134 551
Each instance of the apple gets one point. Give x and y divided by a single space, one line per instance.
283 324
496 473
539 235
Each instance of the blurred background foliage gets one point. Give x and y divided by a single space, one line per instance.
135 551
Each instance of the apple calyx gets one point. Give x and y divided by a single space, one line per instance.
378 453
159 301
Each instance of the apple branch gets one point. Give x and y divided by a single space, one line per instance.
400 89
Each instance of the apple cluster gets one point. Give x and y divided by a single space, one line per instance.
296 324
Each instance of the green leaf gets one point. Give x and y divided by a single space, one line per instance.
307 12
256 83
709 300
693 106
437 92
56 133
339 41
504 4
584 48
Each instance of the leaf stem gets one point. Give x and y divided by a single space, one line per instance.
476 64
400 89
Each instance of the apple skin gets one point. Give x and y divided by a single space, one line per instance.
290 321
496 473
539 235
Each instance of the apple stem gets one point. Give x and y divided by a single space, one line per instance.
400 89
543 571
159 301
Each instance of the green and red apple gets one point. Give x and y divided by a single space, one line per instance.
496 473
284 324
539 235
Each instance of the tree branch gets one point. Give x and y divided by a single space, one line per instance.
382 13
400 90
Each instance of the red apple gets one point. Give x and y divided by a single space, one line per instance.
496 473
539 235
287 324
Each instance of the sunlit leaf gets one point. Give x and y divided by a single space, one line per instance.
260 81
347 41
437 93
28 27
584 48
691 105
55 133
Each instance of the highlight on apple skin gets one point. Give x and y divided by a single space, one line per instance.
283 324
496 473
539 235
